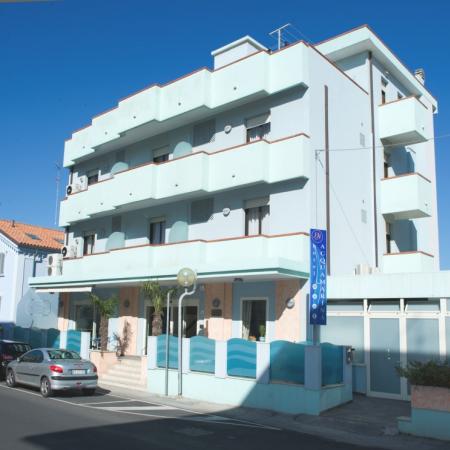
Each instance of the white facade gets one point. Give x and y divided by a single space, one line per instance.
226 170
19 304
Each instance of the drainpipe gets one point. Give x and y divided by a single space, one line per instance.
374 168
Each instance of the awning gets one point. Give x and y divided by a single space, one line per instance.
65 289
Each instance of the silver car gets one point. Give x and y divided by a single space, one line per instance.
51 370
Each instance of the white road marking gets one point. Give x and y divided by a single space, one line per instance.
135 408
105 403
201 417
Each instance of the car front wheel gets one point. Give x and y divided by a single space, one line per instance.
11 379
46 387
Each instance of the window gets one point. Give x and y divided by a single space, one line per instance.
2 263
33 236
258 127
388 238
35 356
88 244
161 154
254 319
92 177
383 97
386 165
399 96
257 214
157 231
384 82
204 133
202 210
116 224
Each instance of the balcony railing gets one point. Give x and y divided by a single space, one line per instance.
195 174
406 262
188 98
405 121
406 197
283 255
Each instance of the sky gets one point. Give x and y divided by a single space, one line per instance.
62 62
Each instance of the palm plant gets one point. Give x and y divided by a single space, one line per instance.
106 308
157 295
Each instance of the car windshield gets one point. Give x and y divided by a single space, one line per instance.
15 349
63 354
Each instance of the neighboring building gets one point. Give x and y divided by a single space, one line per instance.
226 171
24 251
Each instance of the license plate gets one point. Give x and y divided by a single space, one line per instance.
78 371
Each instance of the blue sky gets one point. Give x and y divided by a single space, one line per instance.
63 62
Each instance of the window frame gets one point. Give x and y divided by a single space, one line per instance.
243 299
162 231
86 235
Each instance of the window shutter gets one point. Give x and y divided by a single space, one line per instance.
258 120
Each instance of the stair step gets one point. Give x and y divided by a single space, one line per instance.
128 363
131 377
122 380
127 369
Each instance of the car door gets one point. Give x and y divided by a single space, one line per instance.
24 367
36 367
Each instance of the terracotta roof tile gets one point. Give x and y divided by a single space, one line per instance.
32 235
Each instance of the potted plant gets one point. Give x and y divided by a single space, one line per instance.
430 399
106 308
157 295
262 333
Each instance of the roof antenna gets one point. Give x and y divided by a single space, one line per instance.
279 33
58 179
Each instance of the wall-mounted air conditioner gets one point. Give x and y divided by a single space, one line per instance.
54 267
79 185
363 269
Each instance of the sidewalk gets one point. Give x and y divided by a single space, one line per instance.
366 421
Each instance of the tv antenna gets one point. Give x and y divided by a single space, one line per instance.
58 180
279 35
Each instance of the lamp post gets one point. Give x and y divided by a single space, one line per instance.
186 278
169 293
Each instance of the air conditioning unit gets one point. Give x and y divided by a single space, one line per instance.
80 185
70 251
54 267
363 269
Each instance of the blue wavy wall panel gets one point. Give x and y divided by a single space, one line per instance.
35 339
203 354
332 364
161 351
73 340
21 334
287 362
53 338
241 358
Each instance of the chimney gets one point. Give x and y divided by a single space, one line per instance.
13 223
420 75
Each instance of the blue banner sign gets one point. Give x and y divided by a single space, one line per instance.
318 278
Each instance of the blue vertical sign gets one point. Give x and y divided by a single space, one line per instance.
318 278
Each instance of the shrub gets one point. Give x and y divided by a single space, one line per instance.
431 373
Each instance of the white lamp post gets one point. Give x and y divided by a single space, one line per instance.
186 278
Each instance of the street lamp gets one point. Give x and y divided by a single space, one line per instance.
186 278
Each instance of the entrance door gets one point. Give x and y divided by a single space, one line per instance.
384 356
190 320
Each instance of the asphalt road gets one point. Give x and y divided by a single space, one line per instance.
105 421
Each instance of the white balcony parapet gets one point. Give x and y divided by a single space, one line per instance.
404 121
197 173
406 197
406 262
271 255
190 97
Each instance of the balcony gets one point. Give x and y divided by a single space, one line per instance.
191 175
407 262
404 121
276 256
158 108
406 197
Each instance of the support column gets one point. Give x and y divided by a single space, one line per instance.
313 367
262 362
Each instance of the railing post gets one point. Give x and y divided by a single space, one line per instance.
152 350
186 343
313 367
221 356
63 339
262 362
85 344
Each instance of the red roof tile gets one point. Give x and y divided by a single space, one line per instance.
32 235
